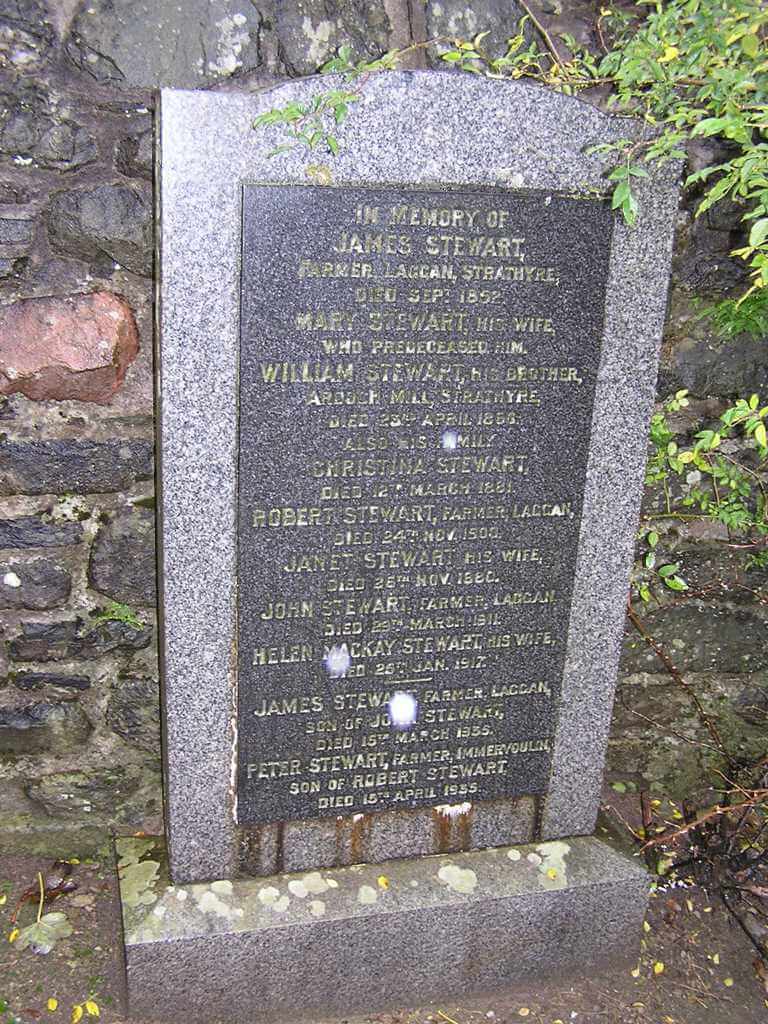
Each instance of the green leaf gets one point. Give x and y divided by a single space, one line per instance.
619 787
669 569
709 126
653 538
333 145
675 583
629 208
620 194
750 45
758 232
760 435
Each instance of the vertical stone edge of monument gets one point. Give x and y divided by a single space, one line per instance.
259 951
198 319
636 300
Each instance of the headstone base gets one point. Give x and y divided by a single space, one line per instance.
368 937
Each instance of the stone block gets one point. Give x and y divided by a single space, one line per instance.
79 467
300 947
73 794
33 585
99 220
36 532
26 34
133 712
59 641
122 44
38 680
33 128
77 347
122 563
454 19
45 727
699 639
311 33
134 156
203 213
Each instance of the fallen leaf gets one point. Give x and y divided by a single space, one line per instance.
43 935
52 1004
92 1008
635 972
646 926
383 881
523 1011
3 899
728 982
77 1013
658 967
14 935
716 958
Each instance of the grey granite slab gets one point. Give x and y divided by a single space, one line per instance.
413 128
296 947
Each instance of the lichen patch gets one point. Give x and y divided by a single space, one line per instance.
458 879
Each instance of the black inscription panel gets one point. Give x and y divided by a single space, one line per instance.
417 376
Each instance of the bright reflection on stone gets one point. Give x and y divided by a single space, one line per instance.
403 709
449 439
337 661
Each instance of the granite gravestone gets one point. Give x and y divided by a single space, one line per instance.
402 424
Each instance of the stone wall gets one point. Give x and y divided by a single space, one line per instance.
79 720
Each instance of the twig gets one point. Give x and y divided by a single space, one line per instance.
626 824
545 36
756 797
446 1017
677 676
668 729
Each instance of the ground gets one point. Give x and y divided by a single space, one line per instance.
696 964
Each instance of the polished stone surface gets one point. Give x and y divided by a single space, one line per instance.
448 487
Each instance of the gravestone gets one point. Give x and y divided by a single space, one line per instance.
402 421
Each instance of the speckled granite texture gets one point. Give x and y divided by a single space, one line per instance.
367 937
412 128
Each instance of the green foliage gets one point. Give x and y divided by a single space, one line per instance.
720 477
748 315
693 68
312 124
116 612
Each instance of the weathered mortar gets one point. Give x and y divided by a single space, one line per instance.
76 488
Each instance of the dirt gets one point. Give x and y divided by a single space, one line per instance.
695 966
